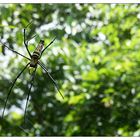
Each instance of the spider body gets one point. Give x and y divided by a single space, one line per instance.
33 62
36 54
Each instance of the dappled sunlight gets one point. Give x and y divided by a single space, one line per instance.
94 60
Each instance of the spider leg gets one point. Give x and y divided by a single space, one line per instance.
14 51
55 84
48 45
32 80
29 24
26 42
12 88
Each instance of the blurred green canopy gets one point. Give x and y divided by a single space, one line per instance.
94 60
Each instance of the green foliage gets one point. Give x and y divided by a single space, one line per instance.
95 61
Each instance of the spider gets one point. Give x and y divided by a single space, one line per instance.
33 63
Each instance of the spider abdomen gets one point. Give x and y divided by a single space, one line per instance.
37 54
39 48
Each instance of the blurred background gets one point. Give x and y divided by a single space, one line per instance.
94 60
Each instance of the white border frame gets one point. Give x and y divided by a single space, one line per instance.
70 1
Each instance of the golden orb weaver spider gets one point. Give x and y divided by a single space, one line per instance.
34 62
